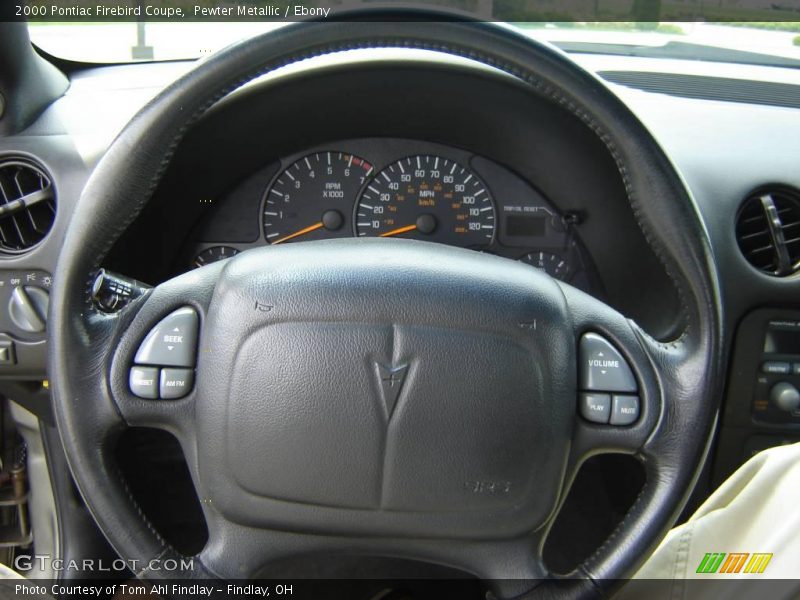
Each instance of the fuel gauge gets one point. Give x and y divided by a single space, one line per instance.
213 254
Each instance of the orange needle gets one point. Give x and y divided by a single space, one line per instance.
399 230
304 231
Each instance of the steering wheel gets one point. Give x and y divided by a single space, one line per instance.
297 440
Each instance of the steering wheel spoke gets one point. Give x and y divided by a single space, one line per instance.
142 366
619 393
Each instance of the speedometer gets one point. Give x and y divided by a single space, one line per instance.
430 198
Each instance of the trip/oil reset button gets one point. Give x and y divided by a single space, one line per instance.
609 390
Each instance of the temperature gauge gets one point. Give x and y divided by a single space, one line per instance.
552 264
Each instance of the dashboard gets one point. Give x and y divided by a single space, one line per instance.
545 188
293 159
391 187
556 195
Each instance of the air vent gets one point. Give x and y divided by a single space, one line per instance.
768 231
27 206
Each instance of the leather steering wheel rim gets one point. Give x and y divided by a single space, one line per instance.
686 369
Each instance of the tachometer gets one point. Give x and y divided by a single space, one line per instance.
427 197
312 199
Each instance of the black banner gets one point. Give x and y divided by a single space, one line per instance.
392 589
563 11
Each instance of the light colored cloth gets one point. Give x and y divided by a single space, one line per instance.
10 581
8 573
756 511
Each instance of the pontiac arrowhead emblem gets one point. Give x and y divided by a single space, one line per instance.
390 382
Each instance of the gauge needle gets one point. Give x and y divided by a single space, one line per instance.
399 230
303 231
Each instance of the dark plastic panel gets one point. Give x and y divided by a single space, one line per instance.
750 423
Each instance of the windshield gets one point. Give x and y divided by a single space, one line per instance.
765 43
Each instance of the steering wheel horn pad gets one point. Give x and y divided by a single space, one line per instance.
297 441
299 432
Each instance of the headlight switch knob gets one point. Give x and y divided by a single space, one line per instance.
28 308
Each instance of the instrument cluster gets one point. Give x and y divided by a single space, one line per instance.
385 187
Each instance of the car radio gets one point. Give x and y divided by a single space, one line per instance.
777 389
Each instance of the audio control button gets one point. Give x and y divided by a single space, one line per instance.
175 383
595 408
171 343
774 367
624 410
143 382
602 367
785 396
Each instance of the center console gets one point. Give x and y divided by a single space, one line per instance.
762 399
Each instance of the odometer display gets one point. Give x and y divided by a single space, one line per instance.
430 198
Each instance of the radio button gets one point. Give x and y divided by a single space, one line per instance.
774 367
602 367
624 410
595 408
143 382
172 342
785 396
176 383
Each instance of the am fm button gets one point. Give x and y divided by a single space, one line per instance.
175 383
